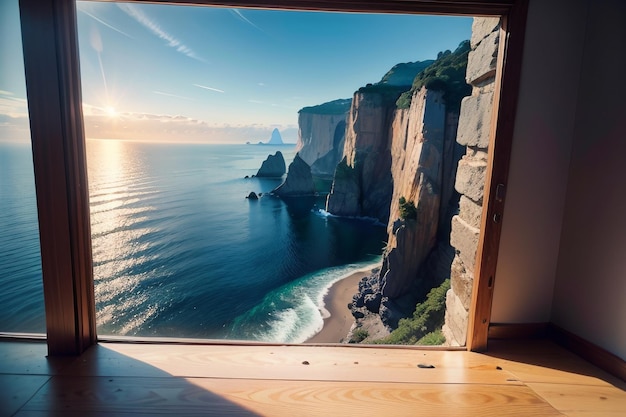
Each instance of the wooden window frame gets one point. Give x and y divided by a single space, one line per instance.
53 86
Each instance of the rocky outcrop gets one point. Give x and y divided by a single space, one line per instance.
275 139
321 133
474 125
299 181
273 167
362 183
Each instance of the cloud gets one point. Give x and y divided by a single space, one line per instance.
240 15
174 128
162 93
12 106
209 88
103 22
136 13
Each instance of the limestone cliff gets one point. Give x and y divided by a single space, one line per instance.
362 185
423 157
321 135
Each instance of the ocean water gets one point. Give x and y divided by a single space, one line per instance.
179 251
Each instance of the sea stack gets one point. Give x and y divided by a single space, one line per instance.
299 181
273 167
276 139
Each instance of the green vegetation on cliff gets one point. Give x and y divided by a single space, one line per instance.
397 80
446 74
407 209
424 327
404 73
339 106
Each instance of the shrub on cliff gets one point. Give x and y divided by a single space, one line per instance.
446 74
427 318
407 209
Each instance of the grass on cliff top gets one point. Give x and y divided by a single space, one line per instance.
424 327
339 106
446 74
403 74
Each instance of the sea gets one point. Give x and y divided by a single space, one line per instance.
178 249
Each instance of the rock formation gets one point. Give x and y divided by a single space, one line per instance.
299 181
362 184
273 167
321 135
275 139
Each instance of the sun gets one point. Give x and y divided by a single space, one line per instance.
111 112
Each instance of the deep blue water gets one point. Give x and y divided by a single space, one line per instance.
178 250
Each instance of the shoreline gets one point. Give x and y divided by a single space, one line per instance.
338 324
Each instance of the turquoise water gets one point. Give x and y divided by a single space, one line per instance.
178 250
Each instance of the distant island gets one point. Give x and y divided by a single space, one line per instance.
275 139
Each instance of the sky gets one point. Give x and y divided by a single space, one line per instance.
207 74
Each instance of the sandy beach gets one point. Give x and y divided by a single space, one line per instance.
337 326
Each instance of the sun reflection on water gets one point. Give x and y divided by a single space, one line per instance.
119 205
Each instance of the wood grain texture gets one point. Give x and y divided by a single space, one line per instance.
226 397
29 358
577 397
16 390
52 74
528 378
288 362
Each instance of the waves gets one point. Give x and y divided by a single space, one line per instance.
294 312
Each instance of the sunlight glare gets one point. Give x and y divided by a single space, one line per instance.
110 111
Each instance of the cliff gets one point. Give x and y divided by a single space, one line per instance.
419 145
321 135
362 184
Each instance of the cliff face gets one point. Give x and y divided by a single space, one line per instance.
363 184
417 155
423 157
320 138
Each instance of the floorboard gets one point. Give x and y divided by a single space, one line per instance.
515 378
227 397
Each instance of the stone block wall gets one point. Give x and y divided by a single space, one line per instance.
473 133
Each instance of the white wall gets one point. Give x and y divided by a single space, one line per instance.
590 289
544 126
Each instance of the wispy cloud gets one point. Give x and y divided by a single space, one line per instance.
240 15
97 19
209 88
136 13
173 128
162 93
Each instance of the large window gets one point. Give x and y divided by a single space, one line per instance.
21 297
71 269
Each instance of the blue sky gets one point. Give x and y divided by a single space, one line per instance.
156 72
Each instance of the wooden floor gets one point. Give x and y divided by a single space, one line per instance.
519 378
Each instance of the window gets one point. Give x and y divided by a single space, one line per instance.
21 297
72 236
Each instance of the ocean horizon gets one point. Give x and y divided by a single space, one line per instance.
179 251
